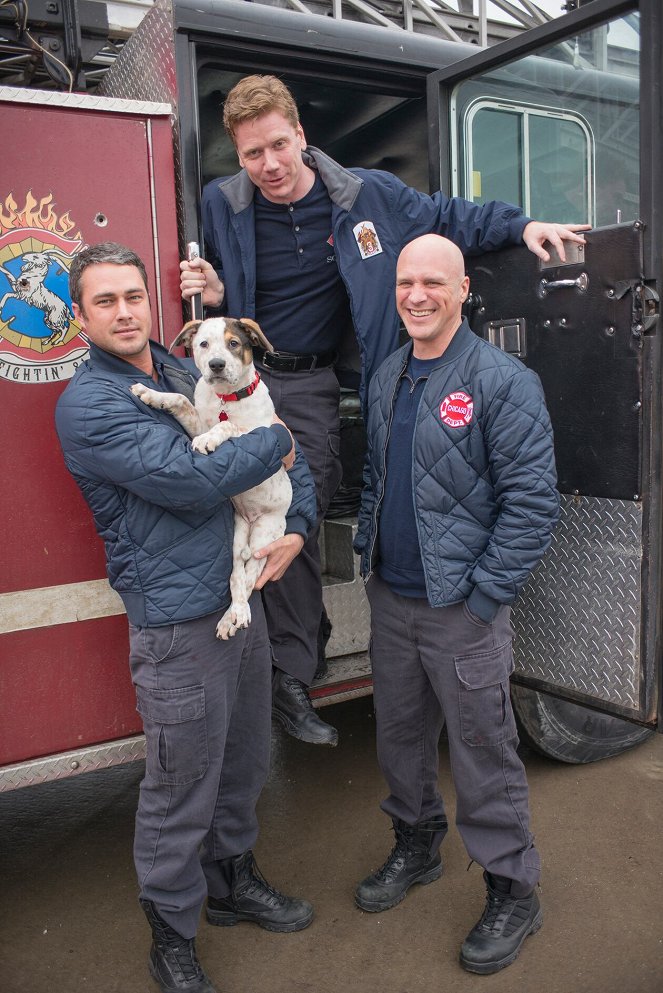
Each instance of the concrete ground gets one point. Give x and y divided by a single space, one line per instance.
71 922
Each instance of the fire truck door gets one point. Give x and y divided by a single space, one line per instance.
587 623
584 328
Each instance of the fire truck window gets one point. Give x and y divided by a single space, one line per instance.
536 159
556 132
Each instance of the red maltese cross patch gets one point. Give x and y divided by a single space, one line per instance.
456 409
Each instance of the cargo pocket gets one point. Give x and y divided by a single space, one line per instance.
486 715
175 733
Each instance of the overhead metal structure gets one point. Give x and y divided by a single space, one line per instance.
69 44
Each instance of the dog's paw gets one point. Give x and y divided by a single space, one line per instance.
210 440
238 615
144 393
205 443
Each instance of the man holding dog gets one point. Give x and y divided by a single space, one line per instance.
165 514
459 505
307 247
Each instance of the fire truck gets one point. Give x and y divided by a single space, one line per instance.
565 120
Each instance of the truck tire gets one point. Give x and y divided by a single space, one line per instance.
569 732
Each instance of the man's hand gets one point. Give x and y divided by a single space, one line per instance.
536 233
279 555
289 459
198 276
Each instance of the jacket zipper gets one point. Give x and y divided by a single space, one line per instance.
376 508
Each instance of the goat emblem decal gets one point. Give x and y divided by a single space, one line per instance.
40 340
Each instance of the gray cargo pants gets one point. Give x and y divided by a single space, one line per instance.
308 403
437 666
206 709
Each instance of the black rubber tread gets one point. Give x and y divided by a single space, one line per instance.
570 732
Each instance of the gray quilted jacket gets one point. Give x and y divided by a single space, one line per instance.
483 473
163 510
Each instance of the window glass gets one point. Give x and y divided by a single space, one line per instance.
559 170
496 156
556 132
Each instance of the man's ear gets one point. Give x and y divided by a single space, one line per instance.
464 288
78 315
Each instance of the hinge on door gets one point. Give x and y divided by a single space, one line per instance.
645 309
644 306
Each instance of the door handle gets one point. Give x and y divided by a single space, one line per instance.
581 283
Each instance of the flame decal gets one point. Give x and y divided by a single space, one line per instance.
35 214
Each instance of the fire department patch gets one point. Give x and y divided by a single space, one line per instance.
40 341
456 409
367 239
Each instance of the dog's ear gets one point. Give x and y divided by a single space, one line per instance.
256 337
185 335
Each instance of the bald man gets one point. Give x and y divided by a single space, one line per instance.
459 505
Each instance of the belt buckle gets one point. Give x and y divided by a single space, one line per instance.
286 363
270 360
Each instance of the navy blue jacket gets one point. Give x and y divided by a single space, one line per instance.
397 212
483 473
163 510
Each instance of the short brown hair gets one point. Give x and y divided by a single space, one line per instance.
101 254
254 96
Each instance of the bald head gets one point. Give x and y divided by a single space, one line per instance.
431 287
434 250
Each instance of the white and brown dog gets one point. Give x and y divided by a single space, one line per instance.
230 399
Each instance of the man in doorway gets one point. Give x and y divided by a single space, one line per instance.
308 248
165 514
460 431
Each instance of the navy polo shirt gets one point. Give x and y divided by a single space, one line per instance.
301 302
400 564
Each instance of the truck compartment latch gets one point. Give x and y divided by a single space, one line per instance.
509 335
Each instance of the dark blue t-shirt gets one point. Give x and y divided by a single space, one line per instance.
301 302
400 562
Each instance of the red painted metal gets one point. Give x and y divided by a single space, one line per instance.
69 176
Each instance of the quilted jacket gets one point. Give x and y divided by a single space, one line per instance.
483 473
163 510
397 212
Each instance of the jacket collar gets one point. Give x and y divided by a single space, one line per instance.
463 338
342 185
101 359
172 366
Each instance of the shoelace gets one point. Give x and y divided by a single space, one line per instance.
258 883
298 691
496 910
397 855
185 959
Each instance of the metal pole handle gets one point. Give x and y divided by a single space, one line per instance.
196 301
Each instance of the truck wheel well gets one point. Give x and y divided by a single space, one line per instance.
570 732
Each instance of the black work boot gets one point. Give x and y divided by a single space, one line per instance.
292 707
173 961
495 940
415 858
251 898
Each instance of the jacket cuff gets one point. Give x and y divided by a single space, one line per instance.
516 227
482 606
296 525
283 437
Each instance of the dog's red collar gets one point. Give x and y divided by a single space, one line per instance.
239 395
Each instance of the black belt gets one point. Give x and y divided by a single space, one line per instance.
294 363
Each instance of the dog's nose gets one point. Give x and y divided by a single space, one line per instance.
217 365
